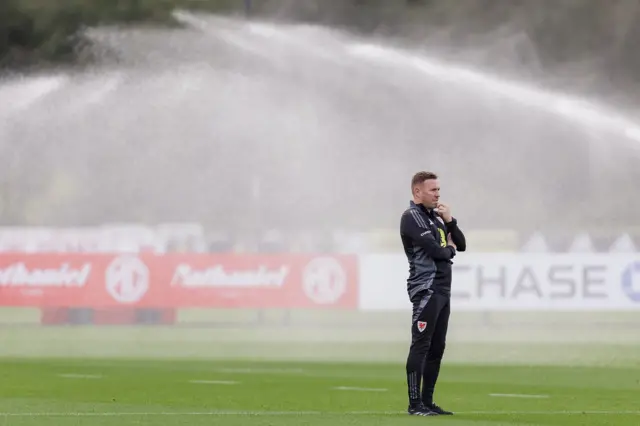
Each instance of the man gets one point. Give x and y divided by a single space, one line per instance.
431 237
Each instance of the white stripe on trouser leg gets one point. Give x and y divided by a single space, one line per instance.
413 385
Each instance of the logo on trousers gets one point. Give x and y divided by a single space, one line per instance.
422 325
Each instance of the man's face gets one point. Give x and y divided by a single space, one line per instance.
428 193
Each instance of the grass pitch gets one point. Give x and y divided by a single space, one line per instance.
336 369
114 392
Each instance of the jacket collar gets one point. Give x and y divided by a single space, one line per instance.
428 212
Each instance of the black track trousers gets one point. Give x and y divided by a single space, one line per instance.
428 338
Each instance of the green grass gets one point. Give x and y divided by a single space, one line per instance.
571 339
373 344
587 366
143 392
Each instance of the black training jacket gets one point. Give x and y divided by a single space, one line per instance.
424 237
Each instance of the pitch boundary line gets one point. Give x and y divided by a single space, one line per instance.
79 376
303 413
214 382
517 395
358 389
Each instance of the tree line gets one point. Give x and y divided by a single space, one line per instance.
49 32
578 41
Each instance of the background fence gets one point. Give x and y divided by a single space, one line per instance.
506 307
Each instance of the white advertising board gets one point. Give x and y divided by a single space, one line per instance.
511 282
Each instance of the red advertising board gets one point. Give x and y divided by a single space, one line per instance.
178 280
